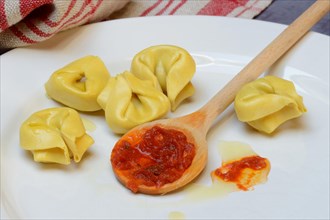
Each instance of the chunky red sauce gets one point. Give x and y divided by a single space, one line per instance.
157 157
231 172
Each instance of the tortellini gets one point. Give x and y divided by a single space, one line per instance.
268 102
78 84
170 68
129 101
55 135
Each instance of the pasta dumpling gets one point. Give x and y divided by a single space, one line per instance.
268 102
55 135
170 68
78 84
129 101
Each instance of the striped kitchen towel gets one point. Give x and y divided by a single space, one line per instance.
26 22
232 8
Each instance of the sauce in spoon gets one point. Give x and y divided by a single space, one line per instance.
155 158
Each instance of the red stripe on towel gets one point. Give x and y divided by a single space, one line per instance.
247 8
166 7
21 35
148 10
221 7
3 16
177 7
51 23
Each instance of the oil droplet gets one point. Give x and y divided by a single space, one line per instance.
218 189
88 124
233 150
175 215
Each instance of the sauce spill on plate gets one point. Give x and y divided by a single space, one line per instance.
241 169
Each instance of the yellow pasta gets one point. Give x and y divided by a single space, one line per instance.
268 102
78 84
129 101
55 135
170 68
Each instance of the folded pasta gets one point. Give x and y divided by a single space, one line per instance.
78 84
268 102
170 68
129 101
55 135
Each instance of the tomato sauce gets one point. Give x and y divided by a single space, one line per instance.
232 172
155 158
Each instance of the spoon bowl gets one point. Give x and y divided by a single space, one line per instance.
192 127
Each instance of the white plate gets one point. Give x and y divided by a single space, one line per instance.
298 185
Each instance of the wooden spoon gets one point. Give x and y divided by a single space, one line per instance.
196 125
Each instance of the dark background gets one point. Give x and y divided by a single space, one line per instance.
286 11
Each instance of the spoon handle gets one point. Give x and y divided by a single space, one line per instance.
263 61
